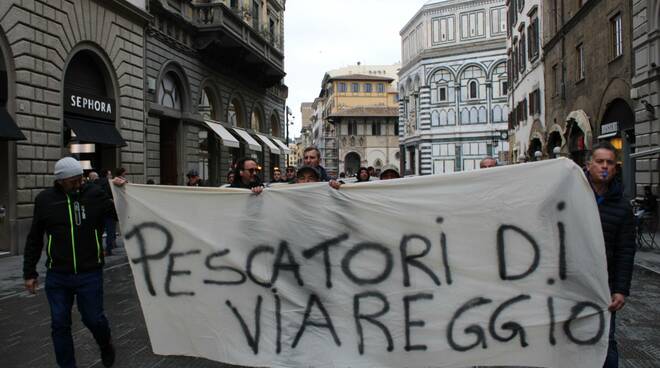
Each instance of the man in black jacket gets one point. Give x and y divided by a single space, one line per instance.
618 231
70 215
246 176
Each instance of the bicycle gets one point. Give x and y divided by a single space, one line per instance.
646 226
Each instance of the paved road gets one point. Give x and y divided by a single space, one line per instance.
25 331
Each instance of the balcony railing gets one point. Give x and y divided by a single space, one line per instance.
214 14
221 31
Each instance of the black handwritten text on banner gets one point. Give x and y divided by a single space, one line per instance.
504 266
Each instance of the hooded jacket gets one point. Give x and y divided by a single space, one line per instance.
617 221
73 226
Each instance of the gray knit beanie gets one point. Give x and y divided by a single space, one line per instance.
67 167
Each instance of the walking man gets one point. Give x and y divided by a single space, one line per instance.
618 230
70 214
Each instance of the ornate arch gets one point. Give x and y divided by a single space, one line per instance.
437 69
257 118
494 66
240 117
214 98
107 67
462 69
275 125
174 67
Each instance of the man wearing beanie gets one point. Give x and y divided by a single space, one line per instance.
70 216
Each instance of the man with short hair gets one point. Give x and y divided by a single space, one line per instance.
246 176
277 175
290 174
618 231
487 162
312 158
71 214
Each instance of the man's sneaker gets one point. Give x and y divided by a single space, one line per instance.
108 355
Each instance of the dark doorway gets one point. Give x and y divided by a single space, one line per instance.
618 112
535 146
554 140
169 172
351 163
576 144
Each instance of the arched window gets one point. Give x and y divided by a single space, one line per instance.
274 126
235 114
443 117
465 116
169 91
435 121
206 104
474 93
500 81
483 119
497 114
256 121
451 117
474 115
442 86
473 83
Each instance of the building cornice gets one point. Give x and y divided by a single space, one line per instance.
458 49
447 5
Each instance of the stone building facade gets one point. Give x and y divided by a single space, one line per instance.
60 62
588 79
453 87
207 104
527 128
159 87
646 92
360 110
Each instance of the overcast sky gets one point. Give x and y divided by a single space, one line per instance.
321 35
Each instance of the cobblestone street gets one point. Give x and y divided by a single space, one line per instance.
25 331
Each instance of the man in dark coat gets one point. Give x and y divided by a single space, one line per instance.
618 230
70 214
312 158
247 176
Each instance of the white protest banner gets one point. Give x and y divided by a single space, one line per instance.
504 266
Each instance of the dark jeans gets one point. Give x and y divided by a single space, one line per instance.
612 359
88 290
111 234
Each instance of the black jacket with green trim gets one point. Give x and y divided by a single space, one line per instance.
73 228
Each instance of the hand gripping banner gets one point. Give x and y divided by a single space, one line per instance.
504 266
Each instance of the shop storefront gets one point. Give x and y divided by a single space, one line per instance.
618 128
90 133
76 89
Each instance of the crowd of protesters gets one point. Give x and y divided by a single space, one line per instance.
77 209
